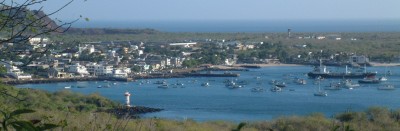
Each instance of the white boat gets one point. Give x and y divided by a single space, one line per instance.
67 87
348 85
386 87
163 86
334 86
276 89
383 78
206 84
320 92
301 81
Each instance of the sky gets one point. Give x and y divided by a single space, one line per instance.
209 10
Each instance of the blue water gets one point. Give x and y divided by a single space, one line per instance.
253 26
217 102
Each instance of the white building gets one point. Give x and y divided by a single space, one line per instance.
121 72
91 49
99 70
78 69
14 71
359 59
17 73
320 37
38 40
167 62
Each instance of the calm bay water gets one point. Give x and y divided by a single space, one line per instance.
217 102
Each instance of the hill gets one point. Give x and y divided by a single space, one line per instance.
108 31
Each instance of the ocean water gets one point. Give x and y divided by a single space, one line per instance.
252 26
217 102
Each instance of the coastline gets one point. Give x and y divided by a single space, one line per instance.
384 64
177 73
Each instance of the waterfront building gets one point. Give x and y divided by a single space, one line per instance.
176 61
99 69
14 71
121 72
58 72
359 59
17 73
78 69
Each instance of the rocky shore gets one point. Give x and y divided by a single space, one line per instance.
132 112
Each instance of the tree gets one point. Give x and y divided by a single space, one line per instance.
18 25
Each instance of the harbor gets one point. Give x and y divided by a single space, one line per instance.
190 99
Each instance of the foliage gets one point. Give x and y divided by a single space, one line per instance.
18 24
190 63
11 120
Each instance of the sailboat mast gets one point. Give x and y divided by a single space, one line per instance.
365 68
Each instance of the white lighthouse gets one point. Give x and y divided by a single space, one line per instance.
127 95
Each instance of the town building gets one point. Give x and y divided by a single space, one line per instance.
78 69
99 69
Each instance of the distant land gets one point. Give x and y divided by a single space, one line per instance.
251 26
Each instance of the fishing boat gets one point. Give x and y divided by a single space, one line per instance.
383 78
320 92
280 84
334 86
301 81
163 86
386 87
206 84
232 85
160 82
321 71
369 80
276 89
349 85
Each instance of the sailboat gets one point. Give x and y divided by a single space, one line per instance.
320 93
383 78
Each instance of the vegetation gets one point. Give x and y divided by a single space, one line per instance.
32 109
381 47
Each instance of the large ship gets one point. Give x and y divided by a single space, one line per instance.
322 72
